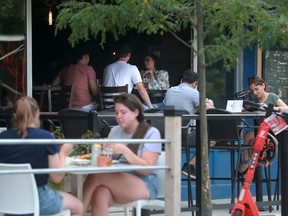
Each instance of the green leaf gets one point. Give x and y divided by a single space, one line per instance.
229 25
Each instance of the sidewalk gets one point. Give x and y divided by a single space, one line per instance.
216 212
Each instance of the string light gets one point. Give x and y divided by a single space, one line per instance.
50 17
50 3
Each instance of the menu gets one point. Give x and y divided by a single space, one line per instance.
276 72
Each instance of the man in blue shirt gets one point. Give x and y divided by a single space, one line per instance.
185 96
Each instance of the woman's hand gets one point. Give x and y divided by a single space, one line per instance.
263 105
58 161
117 148
66 149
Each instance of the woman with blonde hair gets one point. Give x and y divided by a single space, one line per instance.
26 126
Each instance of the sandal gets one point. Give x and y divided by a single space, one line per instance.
243 167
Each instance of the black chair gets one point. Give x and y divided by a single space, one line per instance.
75 122
107 95
105 126
188 131
7 121
226 132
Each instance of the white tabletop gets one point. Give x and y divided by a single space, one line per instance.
86 169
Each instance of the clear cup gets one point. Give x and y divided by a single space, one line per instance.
108 152
102 160
105 158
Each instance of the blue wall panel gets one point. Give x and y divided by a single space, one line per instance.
219 160
219 163
249 64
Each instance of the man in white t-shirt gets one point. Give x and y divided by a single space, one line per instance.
121 73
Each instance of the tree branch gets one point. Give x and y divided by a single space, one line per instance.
214 61
210 28
182 41
193 21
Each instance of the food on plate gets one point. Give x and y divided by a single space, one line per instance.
84 156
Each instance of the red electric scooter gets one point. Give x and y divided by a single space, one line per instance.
265 150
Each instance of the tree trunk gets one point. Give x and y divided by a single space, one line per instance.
206 191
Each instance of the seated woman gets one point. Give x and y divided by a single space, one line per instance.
103 190
154 75
259 88
39 156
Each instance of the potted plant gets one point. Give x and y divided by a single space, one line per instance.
78 149
85 149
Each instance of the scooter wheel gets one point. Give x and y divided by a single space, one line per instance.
238 213
270 150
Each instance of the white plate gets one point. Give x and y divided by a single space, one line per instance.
115 161
81 161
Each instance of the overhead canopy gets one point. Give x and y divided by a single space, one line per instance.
12 38
27 43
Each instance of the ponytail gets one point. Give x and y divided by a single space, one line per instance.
25 114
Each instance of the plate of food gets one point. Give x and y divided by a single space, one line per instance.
82 159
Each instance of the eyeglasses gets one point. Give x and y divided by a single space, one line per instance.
252 78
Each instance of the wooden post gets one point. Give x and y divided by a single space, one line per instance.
173 159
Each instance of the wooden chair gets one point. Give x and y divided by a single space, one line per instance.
57 99
60 98
41 97
53 98
107 95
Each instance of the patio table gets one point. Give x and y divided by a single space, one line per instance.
80 171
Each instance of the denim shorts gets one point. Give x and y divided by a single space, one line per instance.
150 181
51 201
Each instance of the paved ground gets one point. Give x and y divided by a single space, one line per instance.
218 212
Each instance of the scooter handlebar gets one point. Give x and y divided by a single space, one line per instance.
284 114
264 108
253 105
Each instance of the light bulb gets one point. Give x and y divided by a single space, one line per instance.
50 17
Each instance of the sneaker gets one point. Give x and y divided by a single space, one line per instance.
185 171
